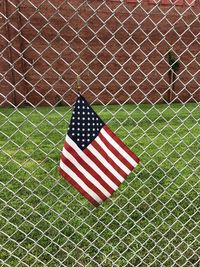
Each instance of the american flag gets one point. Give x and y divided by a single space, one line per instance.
94 160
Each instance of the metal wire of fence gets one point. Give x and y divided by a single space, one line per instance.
138 63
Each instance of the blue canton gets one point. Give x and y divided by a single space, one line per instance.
85 124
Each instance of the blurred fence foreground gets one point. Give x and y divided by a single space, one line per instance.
139 61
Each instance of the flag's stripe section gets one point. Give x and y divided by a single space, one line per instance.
76 153
80 182
116 152
85 161
120 146
77 186
107 152
83 171
108 180
86 179
101 166
96 153
109 160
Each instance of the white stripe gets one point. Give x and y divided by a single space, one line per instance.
112 156
80 182
105 162
91 163
85 172
119 148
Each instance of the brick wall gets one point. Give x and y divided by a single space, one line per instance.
46 46
6 94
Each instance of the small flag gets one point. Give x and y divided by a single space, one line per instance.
94 160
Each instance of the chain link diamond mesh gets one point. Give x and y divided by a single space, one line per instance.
121 52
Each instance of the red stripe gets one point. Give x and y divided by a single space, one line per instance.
120 143
115 152
88 168
77 186
82 177
108 159
102 167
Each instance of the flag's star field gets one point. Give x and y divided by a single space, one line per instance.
85 124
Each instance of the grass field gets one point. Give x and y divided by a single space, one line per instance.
152 220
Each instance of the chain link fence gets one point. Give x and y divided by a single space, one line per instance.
138 65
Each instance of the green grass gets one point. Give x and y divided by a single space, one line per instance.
152 220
